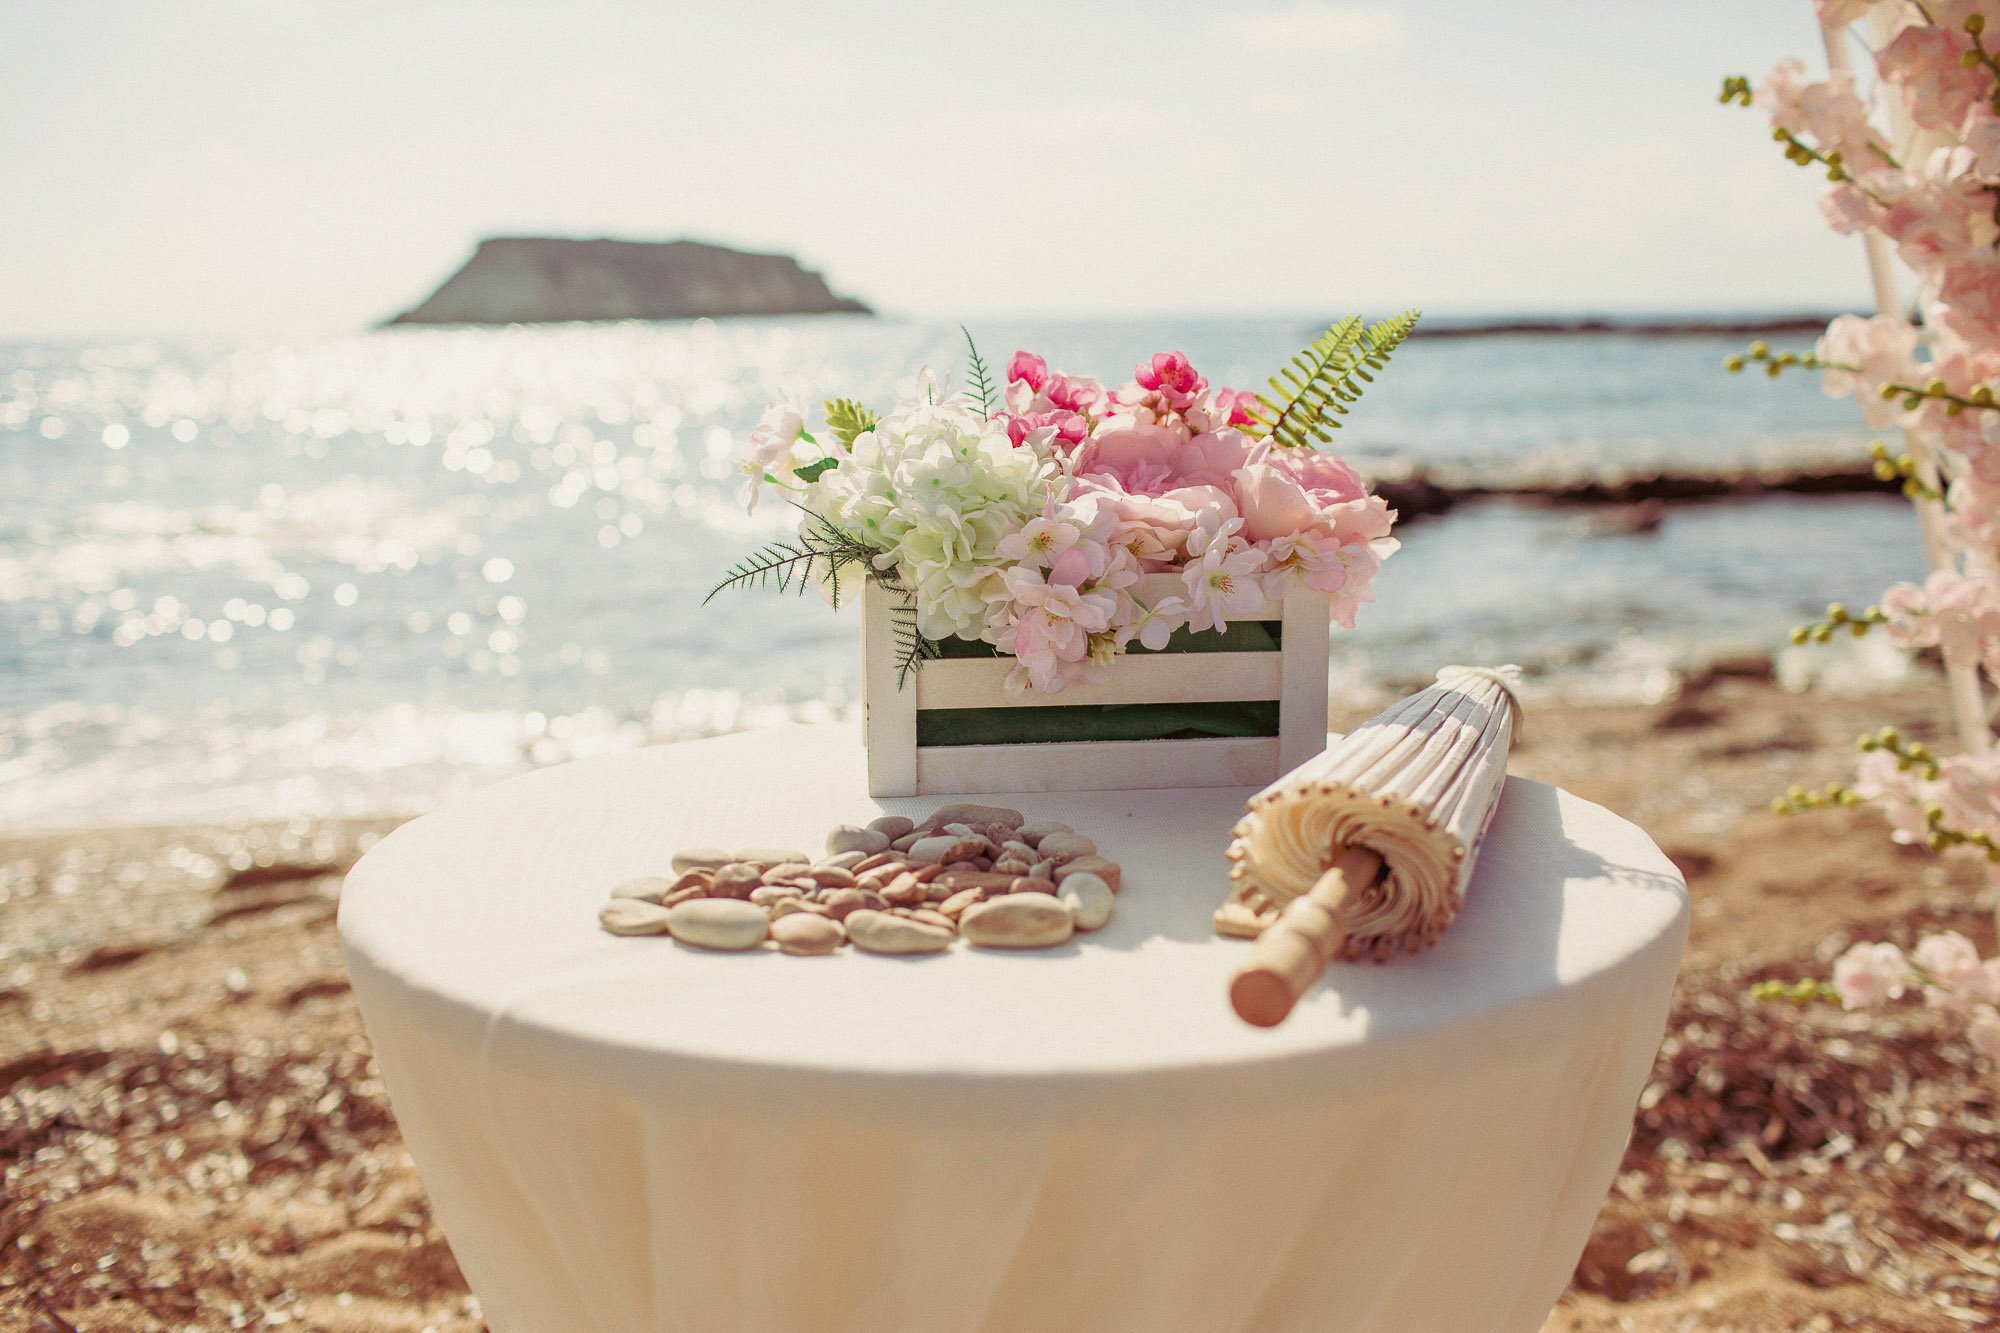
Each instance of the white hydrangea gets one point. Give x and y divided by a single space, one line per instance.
937 487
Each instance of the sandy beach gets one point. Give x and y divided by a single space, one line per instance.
194 1136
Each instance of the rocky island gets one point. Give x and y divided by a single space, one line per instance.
544 279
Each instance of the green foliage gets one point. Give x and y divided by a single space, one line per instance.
1736 89
1803 992
981 378
790 566
912 648
846 419
1324 381
814 470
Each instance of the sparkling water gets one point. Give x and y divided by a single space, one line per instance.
355 574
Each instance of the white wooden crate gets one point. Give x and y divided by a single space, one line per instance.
1294 674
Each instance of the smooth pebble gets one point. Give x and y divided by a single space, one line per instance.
1065 847
633 916
930 851
853 838
719 923
1041 828
701 858
645 889
738 879
878 932
1090 899
804 933
1018 921
892 826
1108 871
974 814
771 856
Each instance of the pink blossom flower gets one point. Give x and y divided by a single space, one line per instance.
1826 111
1029 369
1150 476
1901 793
1868 974
1040 542
1951 964
1936 87
1971 296
1968 790
1882 349
769 449
1155 624
1848 209
1224 578
1169 375
1983 1031
1919 616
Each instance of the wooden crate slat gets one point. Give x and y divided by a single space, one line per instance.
1302 709
1098 765
889 726
1134 679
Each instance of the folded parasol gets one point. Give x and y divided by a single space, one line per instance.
1365 850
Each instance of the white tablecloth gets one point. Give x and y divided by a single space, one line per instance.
626 1134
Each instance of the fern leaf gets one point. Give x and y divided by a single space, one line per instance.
980 377
847 419
782 563
1331 376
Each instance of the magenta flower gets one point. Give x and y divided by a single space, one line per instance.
1069 428
1234 405
1169 375
1029 369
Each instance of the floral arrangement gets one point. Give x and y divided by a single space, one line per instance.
1024 515
1912 158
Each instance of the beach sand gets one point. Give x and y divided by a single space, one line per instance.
193 1134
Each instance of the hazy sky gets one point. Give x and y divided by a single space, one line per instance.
295 165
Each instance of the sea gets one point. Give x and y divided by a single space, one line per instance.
355 574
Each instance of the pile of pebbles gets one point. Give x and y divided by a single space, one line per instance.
980 873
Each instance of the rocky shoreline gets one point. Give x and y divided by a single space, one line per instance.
1417 492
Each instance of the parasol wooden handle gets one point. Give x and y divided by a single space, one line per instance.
1292 952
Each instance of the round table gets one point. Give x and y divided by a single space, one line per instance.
627 1134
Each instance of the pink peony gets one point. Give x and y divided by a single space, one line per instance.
1298 490
1868 974
1151 477
1169 375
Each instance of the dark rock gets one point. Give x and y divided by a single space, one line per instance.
542 279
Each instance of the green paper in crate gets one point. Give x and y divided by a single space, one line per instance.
1071 587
